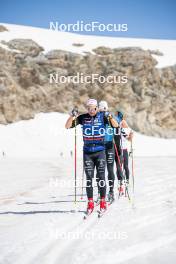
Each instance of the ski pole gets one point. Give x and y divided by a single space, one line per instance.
124 172
132 163
118 158
82 181
75 159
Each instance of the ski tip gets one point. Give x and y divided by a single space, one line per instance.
99 215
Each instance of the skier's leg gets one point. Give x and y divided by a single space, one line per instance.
125 157
110 168
97 182
89 171
100 162
119 169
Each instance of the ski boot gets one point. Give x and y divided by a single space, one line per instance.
120 188
103 205
90 206
126 185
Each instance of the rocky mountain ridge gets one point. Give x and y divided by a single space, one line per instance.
148 99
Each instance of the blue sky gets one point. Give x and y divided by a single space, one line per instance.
145 19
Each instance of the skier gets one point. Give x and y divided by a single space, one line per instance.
121 137
109 151
93 127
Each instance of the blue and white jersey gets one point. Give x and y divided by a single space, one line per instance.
93 128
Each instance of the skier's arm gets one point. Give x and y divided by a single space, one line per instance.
73 120
124 124
69 122
113 122
127 133
108 119
130 136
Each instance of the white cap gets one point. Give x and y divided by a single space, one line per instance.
103 106
91 102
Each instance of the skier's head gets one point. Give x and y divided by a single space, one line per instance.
92 107
119 116
103 106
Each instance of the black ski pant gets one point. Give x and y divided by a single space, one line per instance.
124 165
91 161
110 155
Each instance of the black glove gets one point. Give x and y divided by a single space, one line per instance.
74 112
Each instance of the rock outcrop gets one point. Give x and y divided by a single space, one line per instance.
2 28
148 99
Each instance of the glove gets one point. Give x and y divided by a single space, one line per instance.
108 115
74 112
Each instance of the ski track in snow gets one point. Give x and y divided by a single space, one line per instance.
31 222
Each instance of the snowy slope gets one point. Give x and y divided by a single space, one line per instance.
38 215
40 222
63 40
